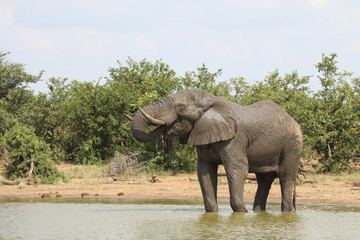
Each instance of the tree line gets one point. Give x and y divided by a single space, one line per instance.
84 123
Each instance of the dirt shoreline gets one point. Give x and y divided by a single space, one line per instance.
182 186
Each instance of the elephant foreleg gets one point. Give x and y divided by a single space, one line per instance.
207 174
264 184
236 175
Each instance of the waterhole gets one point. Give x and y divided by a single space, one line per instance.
169 219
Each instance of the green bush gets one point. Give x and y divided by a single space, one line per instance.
159 156
84 123
22 145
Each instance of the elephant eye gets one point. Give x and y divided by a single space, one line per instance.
181 107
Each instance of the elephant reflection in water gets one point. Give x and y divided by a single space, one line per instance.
260 138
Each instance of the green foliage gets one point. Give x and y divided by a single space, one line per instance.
50 118
22 145
13 76
336 123
90 135
83 122
202 79
14 95
134 86
291 92
329 118
6 119
167 154
183 158
142 83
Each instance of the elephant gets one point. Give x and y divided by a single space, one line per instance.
259 138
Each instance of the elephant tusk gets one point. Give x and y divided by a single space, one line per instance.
153 120
128 117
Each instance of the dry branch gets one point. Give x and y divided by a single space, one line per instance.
30 179
7 182
250 177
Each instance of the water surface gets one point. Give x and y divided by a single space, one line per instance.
169 219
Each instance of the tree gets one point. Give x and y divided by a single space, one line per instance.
88 123
202 79
13 76
23 147
336 122
48 116
136 85
14 95
291 92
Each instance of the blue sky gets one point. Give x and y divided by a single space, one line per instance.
81 39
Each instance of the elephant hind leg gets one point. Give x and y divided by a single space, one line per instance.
264 184
287 175
288 195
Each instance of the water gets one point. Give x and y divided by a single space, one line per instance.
181 219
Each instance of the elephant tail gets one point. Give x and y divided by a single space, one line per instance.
294 197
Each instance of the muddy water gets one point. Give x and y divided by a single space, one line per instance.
152 219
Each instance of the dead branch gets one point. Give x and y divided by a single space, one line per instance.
306 181
250 177
7 182
30 179
356 184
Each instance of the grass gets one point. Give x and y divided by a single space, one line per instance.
93 171
85 171
316 178
350 177
319 178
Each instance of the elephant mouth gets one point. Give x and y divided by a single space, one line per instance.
149 116
180 128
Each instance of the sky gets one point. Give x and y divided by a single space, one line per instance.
82 39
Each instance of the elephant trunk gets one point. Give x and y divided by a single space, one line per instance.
158 114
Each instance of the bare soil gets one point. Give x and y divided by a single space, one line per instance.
320 189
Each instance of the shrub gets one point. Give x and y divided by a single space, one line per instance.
124 164
22 145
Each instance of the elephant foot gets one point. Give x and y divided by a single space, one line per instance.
288 209
258 208
240 209
211 210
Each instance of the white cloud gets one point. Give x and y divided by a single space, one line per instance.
318 3
256 3
249 38
54 41
6 15
225 52
225 49
355 13
355 47
267 3
145 43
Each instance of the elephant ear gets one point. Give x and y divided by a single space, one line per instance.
216 124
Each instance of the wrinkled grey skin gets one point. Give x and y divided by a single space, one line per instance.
260 138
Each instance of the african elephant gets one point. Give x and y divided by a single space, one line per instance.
260 138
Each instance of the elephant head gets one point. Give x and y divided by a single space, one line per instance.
196 117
